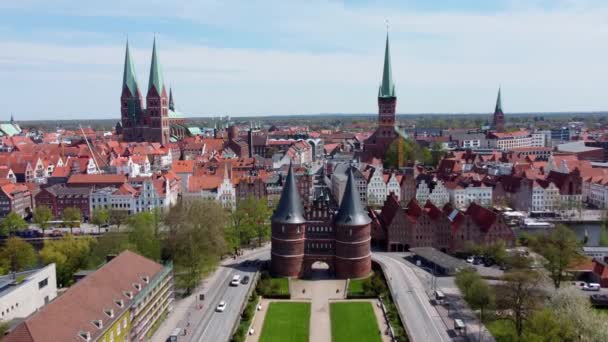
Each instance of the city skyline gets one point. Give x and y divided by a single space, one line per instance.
267 59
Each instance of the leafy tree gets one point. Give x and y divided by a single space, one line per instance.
72 217
437 153
69 255
195 240
142 235
255 215
573 311
560 248
497 251
17 254
12 223
107 244
42 216
411 152
545 326
480 296
118 218
100 217
519 296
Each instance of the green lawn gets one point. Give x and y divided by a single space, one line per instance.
354 322
286 322
283 285
355 286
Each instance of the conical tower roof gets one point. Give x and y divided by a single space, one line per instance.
156 72
351 212
129 79
498 108
387 87
171 104
290 209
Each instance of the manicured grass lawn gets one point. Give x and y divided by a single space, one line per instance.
286 322
355 286
283 285
354 322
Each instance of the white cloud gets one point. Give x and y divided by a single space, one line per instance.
547 59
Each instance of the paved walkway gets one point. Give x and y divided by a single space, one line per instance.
319 292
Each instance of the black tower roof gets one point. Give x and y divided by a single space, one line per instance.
289 210
351 212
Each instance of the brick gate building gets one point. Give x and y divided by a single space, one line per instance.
300 238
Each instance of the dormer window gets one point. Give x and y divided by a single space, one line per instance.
120 303
98 323
137 286
109 312
85 335
146 279
129 294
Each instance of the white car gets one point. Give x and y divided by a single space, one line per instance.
591 287
471 259
221 307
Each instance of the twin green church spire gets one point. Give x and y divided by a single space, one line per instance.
129 78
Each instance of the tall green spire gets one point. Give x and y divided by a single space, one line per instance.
156 72
128 77
498 103
387 88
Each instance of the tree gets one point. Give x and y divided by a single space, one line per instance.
17 254
69 255
411 151
545 326
12 223
519 296
437 153
72 217
118 218
254 219
42 216
100 217
497 251
560 248
480 296
195 240
573 310
110 243
142 235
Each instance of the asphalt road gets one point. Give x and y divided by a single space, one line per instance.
422 320
217 326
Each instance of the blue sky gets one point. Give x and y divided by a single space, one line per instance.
63 59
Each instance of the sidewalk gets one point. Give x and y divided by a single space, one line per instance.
185 312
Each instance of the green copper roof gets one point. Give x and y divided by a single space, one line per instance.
498 103
156 72
175 114
194 130
387 88
128 77
9 129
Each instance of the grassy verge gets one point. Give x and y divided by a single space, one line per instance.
270 287
354 322
286 322
370 287
241 332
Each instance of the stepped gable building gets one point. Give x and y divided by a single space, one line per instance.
499 116
376 145
300 239
158 121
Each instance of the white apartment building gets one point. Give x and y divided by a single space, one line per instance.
595 191
439 195
508 141
24 293
380 185
150 195
545 197
461 197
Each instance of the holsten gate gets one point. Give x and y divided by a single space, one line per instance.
299 239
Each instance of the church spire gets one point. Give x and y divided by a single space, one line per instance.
171 104
351 212
156 72
498 103
129 79
387 87
289 210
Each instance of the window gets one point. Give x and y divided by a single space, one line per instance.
43 283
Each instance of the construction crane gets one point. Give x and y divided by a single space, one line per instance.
90 149
400 147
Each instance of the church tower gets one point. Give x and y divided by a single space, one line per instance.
499 116
157 110
130 100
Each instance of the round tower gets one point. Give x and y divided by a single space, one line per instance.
353 234
288 225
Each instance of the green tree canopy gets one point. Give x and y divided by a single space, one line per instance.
17 255
12 223
118 218
100 217
72 217
559 248
142 235
70 254
42 216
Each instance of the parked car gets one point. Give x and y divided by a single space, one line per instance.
489 262
477 260
221 307
471 259
599 300
245 280
56 233
591 287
